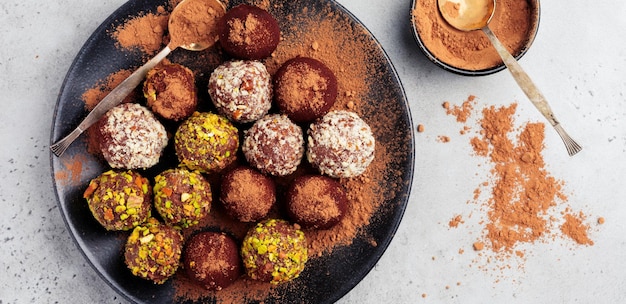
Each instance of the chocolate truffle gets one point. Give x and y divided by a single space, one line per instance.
212 260
182 197
131 137
248 32
246 194
274 145
241 90
316 201
153 251
274 251
340 144
119 200
305 89
206 142
170 91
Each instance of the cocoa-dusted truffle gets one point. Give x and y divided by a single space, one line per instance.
153 251
305 89
248 32
119 200
170 91
131 137
241 90
246 194
340 144
274 251
182 197
212 260
316 201
274 145
206 142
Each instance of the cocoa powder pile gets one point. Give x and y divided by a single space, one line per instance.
514 23
524 199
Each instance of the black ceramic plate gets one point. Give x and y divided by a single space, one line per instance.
326 279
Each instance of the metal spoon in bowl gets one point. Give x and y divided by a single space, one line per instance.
184 33
470 15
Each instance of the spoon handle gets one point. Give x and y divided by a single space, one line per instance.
114 98
533 93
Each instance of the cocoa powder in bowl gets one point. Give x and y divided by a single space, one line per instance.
515 23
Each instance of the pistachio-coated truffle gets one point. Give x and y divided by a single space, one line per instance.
206 142
119 200
153 251
274 251
182 197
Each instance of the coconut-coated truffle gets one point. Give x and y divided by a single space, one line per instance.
248 32
153 251
274 251
305 89
316 201
212 259
170 91
182 197
340 144
119 200
247 194
131 137
241 90
274 145
206 142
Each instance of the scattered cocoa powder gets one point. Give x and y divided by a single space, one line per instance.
523 196
514 23
455 221
145 32
96 93
461 112
73 167
575 228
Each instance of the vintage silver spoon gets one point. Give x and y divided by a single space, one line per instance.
177 26
471 15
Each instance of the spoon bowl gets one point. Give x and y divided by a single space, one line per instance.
467 15
188 30
471 15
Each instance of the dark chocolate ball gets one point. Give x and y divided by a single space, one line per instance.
247 194
249 32
305 89
316 201
212 260
170 91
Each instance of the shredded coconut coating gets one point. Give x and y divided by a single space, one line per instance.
274 145
241 90
132 137
340 144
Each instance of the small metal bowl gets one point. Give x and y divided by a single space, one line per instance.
534 26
